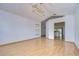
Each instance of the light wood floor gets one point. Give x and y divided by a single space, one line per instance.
40 47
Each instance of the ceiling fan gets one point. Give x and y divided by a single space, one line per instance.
38 9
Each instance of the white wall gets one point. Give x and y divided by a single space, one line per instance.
50 29
77 27
69 27
16 28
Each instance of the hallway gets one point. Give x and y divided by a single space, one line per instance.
39 47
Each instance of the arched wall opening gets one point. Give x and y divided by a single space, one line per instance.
69 27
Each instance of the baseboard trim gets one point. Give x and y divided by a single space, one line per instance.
18 42
69 41
76 45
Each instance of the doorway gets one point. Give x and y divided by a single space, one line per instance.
59 30
43 29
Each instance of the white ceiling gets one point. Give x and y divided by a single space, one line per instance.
25 10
